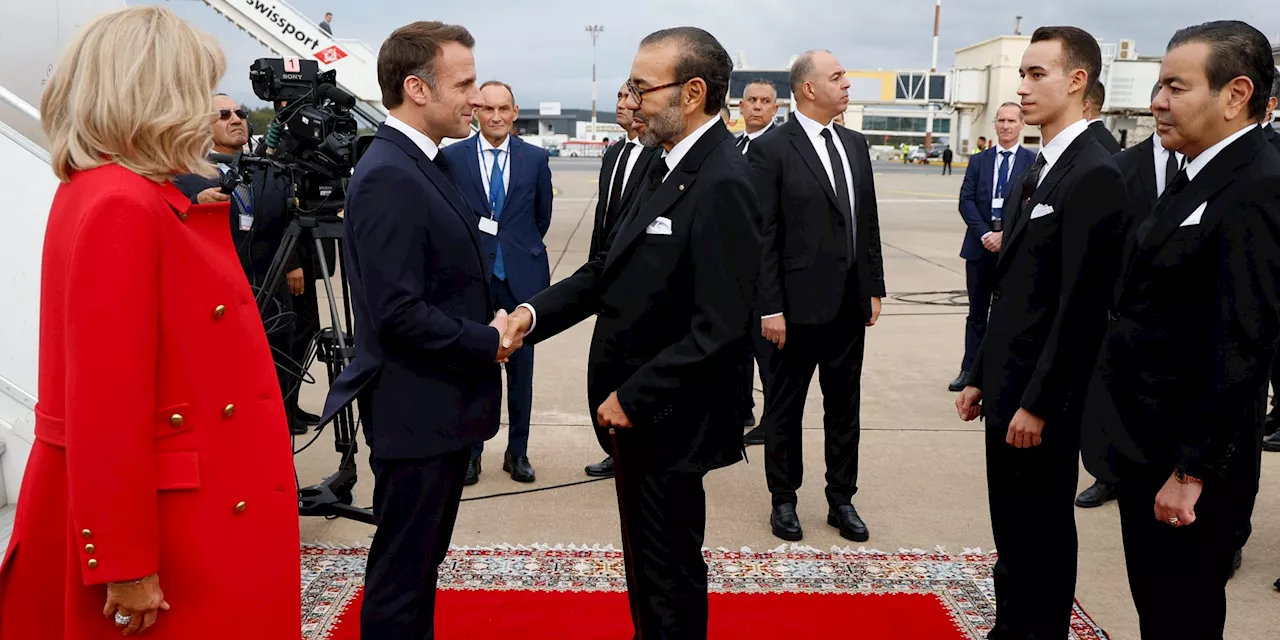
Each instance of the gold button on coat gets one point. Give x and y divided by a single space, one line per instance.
93 564
240 507
87 534
231 408
88 548
176 420
219 310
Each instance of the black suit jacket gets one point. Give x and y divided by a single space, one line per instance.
1272 137
1104 137
1052 289
806 236
424 368
1196 319
600 235
256 247
672 312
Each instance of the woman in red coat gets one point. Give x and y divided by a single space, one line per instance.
159 496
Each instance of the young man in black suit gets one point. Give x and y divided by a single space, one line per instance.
1056 266
426 370
1194 326
672 294
821 281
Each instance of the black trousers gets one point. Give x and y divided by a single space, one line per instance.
1032 498
306 308
665 515
519 381
279 323
979 277
762 351
415 503
835 350
946 167
1275 382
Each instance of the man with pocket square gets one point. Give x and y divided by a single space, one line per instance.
1193 327
1056 268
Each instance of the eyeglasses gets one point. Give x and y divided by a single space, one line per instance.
225 114
637 93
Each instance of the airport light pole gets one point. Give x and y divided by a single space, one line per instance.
594 30
933 67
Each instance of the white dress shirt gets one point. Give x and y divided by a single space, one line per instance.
995 173
626 171
419 138
751 137
486 162
1058 146
681 149
1161 159
672 158
1196 165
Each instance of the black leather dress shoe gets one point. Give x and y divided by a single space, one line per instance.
1271 424
785 522
754 436
1096 496
307 417
298 427
473 473
602 469
851 526
1271 442
1277 585
959 383
518 467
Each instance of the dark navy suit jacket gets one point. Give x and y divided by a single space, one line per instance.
424 370
526 212
975 195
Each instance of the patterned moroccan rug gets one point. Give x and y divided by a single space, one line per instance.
578 593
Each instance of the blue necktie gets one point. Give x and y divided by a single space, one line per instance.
1000 182
497 197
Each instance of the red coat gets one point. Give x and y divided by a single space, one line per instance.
161 440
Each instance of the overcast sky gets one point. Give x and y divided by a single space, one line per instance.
541 48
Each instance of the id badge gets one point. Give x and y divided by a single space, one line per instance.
246 222
489 226
997 203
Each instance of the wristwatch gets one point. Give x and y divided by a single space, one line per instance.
1183 478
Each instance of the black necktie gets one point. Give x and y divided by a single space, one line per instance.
1032 180
742 143
1180 182
1170 168
842 187
615 190
443 165
653 179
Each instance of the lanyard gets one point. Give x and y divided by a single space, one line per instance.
488 171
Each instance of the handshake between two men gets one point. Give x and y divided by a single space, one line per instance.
512 328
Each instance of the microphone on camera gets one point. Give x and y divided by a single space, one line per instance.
338 96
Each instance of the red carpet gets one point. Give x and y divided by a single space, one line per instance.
556 594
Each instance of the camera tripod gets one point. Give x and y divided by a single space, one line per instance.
335 347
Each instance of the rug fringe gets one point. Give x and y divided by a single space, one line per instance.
782 548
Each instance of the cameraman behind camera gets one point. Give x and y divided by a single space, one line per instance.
259 217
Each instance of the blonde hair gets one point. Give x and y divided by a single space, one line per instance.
134 88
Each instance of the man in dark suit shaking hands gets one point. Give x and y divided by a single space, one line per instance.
671 296
507 183
425 373
1048 312
1194 326
821 281
988 180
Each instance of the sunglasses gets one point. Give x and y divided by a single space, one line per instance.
225 114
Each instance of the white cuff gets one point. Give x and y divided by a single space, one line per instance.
772 315
984 236
533 312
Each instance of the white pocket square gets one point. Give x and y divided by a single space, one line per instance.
1195 216
659 227
1041 211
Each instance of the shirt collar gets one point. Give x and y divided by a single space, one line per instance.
1013 149
635 141
1058 145
1095 120
812 128
428 146
678 152
1160 150
485 145
753 136
1196 166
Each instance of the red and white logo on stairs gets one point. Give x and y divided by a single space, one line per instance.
330 55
